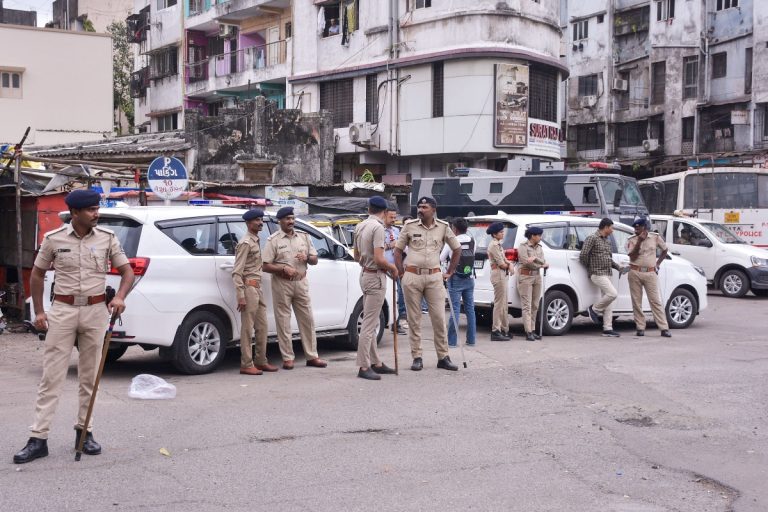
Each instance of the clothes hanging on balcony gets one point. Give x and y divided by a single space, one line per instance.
351 18
321 21
344 27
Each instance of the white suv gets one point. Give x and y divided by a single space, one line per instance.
184 300
729 263
569 291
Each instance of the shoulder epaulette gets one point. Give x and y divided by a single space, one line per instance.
441 221
273 235
54 231
411 221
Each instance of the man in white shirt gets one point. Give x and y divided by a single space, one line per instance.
461 285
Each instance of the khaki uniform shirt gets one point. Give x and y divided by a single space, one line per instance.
647 255
247 263
81 264
424 244
281 249
496 253
369 235
525 250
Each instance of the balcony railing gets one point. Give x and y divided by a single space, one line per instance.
196 7
238 61
140 83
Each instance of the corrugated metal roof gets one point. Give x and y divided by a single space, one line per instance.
129 145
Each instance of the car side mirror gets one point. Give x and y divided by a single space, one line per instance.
338 252
706 243
617 197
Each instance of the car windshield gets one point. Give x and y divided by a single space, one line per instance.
477 229
630 194
723 234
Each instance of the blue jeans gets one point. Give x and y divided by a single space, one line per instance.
400 301
462 289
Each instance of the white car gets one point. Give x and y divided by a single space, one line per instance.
184 300
569 291
729 263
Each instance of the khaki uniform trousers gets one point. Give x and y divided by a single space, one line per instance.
649 281
254 316
431 287
529 288
500 281
604 306
287 295
87 324
374 286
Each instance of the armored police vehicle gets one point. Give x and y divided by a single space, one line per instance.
483 192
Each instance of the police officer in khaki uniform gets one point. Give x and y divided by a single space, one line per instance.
286 256
643 273
369 245
250 298
81 254
501 269
421 277
531 257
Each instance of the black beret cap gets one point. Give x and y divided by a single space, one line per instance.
639 221
377 202
284 212
253 214
533 230
427 200
494 228
82 198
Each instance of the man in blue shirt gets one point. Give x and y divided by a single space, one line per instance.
393 233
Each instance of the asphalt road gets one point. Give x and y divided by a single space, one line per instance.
576 423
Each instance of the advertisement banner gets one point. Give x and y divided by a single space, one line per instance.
544 138
280 196
510 117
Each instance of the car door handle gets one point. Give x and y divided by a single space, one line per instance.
227 266
676 253
575 257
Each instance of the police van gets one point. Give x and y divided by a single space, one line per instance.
483 192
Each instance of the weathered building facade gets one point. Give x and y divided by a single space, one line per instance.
655 83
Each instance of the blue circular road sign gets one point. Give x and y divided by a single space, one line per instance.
167 177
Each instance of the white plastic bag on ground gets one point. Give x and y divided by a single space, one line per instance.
149 387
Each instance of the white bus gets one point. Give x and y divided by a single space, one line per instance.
736 197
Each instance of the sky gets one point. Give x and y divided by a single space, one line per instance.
43 8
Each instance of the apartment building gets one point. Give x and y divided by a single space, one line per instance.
88 14
17 16
657 83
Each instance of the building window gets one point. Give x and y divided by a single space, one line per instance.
590 137
726 4
419 4
164 63
335 14
622 96
580 30
588 85
665 10
543 94
437 89
372 99
600 18
164 4
688 126
336 96
690 77
288 29
10 84
168 123
631 135
659 77
719 65
748 71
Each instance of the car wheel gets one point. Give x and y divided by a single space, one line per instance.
558 313
681 309
116 351
355 325
199 345
484 316
760 293
734 283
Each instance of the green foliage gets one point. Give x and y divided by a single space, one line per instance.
88 25
122 66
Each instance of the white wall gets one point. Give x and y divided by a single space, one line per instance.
66 85
103 12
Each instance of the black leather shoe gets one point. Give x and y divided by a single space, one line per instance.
498 336
536 336
367 374
383 369
666 334
35 449
417 365
640 333
90 446
530 337
446 364
508 334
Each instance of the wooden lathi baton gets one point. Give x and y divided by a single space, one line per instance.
395 323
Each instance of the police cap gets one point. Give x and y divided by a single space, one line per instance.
284 212
639 221
82 198
533 230
427 200
494 228
378 202
256 213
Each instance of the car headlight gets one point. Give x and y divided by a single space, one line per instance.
759 262
699 270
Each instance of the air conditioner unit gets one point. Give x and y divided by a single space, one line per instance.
360 133
226 30
620 85
587 101
651 145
